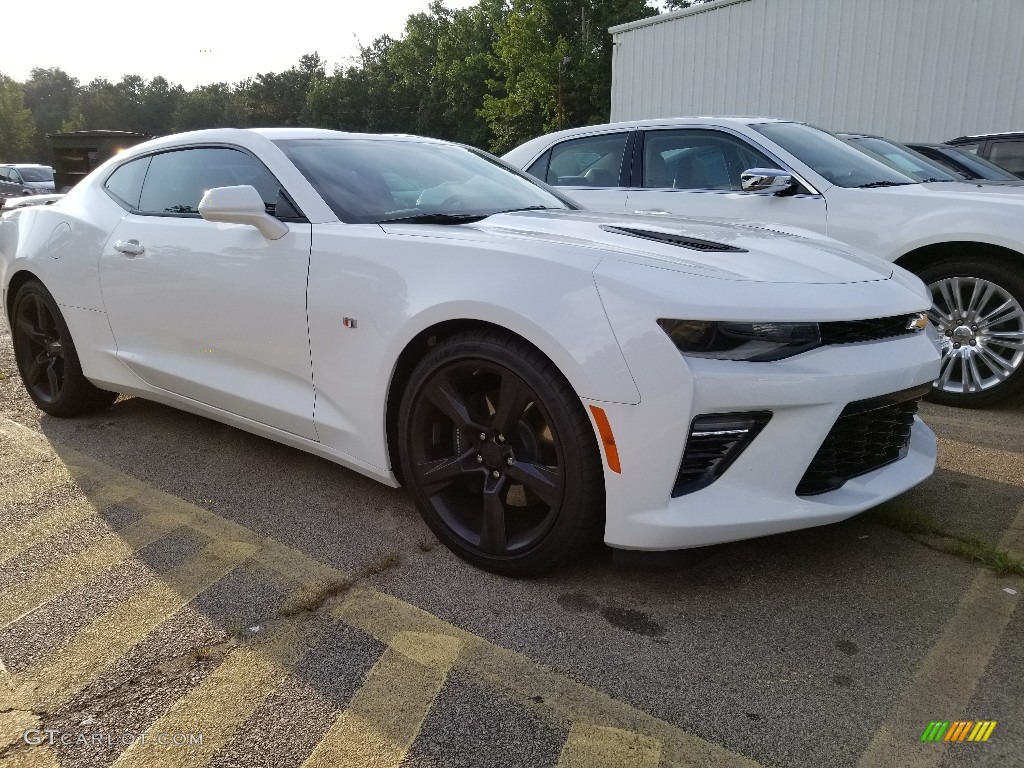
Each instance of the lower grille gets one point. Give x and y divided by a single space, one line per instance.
715 441
867 435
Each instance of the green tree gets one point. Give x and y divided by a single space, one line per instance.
49 95
553 65
17 131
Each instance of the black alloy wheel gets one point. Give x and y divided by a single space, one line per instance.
42 357
500 456
47 359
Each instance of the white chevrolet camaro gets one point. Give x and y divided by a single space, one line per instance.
418 312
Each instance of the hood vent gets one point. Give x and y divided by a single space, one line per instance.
681 240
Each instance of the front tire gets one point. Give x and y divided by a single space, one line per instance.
978 310
500 456
47 359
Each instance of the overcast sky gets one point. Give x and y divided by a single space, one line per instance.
191 43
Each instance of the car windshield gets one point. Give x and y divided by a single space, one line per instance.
368 180
36 174
981 166
902 159
831 157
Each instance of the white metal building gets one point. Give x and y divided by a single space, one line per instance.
926 70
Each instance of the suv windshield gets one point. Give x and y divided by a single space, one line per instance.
902 159
831 157
368 180
36 174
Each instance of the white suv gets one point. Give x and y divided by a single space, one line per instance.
966 241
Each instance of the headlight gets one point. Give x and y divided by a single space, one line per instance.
755 342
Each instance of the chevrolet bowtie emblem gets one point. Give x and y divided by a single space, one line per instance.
917 322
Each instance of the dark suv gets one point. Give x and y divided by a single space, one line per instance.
18 179
1004 149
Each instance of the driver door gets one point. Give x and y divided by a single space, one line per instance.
212 312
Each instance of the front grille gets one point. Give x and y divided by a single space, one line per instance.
850 331
715 441
867 435
693 243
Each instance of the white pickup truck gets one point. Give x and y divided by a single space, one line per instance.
965 240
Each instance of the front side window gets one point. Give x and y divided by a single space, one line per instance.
177 180
831 157
1008 155
698 159
377 180
592 161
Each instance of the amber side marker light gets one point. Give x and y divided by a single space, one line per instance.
604 429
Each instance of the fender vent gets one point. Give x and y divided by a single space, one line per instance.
681 240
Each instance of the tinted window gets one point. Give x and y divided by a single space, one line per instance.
36 174
831 157
126 182
593 161
1008 155
698 159
373 180
177 181
902 159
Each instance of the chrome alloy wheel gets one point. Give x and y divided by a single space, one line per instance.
981 329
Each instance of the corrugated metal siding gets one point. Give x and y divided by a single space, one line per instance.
925 70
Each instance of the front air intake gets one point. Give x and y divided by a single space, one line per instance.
714 443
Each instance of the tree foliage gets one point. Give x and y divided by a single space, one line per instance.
16 127
492 75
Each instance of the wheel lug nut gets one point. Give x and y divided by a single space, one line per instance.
495 473
510 461
974 342
483 435
956 345
501 438
479 459
949 333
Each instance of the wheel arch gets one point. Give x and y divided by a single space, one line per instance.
17 280
935 253
409 358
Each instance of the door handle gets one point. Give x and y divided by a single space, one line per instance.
129 248
658 211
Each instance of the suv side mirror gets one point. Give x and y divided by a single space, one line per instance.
766 180
241 205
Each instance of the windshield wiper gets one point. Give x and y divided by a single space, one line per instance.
436 218
874 184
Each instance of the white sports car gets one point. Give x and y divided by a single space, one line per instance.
418 312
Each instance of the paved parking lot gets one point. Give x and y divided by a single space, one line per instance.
164 577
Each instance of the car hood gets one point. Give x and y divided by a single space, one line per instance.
965 191
752 252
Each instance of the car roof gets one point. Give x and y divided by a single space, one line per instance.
254 137
24 165
980 136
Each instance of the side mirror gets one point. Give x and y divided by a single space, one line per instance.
241 205
766 180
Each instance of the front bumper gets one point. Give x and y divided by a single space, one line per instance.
756 495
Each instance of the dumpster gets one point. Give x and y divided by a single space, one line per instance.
76 154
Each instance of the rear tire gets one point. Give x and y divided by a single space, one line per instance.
500 456
978 310
46 356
